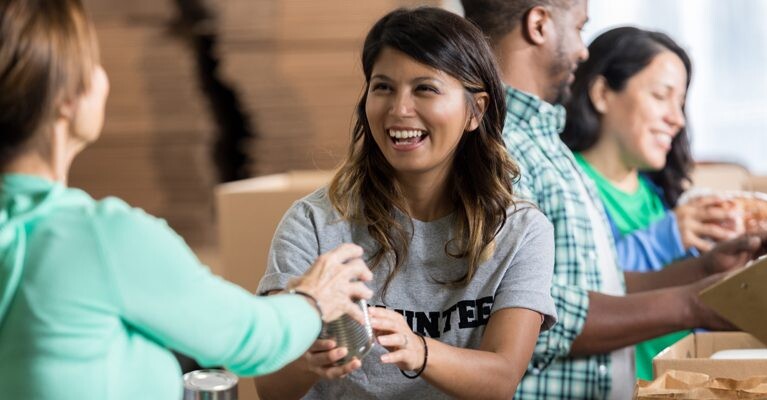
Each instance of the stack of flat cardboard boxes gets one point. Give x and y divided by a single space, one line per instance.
296 65
154 149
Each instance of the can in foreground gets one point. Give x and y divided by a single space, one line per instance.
210 384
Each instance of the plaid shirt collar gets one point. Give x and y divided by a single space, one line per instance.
526 108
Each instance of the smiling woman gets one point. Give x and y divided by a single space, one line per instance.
417 116
462 272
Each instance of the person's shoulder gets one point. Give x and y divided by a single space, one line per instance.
515 128
77 203
110 222
315 206
517 139
525 215
116 217
318 199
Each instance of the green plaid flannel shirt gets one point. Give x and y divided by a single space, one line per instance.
549 177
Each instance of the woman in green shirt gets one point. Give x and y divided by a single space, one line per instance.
626 126
93 294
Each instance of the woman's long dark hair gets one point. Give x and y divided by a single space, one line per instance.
364 189
617 55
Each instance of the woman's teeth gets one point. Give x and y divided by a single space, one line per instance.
664 138
405 134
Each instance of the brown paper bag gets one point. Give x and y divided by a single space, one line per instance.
692 385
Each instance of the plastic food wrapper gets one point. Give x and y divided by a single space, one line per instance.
752 206
691 385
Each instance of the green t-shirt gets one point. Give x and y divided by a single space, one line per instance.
630 212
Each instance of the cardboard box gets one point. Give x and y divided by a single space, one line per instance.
248 214
742 299
692 354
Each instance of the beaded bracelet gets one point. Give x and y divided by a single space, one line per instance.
425 358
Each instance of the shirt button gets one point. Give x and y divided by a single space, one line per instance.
536 371
602 369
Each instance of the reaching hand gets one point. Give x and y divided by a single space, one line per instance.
336 281
734 253
406 349
701 314
705 221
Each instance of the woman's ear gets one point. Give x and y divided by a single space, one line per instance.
598 93
476 113
66 110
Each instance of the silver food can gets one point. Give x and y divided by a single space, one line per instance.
347 332
210 384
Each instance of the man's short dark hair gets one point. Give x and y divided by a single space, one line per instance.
496 18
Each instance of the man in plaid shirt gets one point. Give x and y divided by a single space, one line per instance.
602 311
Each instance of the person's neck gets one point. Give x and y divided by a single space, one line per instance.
612 167
426 197
519 68
32 163
55 165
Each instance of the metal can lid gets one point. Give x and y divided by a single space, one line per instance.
209 380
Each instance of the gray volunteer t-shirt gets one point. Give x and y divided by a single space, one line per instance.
518 275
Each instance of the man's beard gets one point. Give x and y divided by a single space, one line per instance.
562 93
559 71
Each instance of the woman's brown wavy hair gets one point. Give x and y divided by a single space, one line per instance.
364 190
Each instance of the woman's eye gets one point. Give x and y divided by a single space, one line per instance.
659 96
378 87
427 88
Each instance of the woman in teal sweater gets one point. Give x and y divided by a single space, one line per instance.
626 125
93 294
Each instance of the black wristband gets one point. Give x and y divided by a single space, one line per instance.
425 358
312 299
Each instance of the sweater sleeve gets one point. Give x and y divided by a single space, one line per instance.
166 294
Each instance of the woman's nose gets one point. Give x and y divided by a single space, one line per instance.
402 104
676 116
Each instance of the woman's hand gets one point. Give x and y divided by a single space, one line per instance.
705 221
322 357
335 280
406 349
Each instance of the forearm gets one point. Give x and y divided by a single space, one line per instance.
291 382
679 273
614 322
472 374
